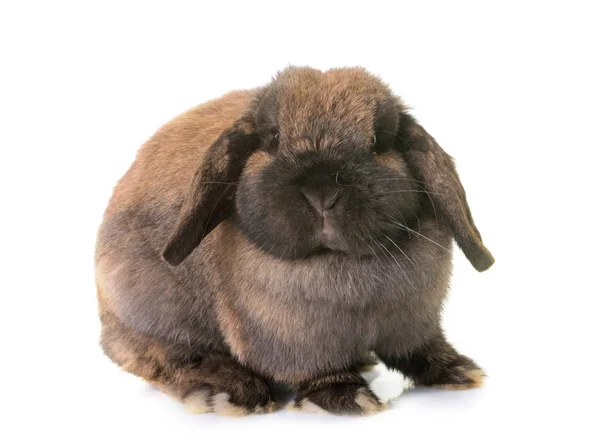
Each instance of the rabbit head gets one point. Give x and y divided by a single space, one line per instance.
324 162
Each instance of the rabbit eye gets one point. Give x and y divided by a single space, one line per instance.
273 144
376 148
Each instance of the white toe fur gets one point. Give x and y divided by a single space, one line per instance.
222 406
307 406
389 385
198 402
367 402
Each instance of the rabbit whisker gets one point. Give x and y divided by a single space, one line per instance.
398 247
400 178
384 270
411 191
417 233
372 250
427 192
374 253
398 264
387 132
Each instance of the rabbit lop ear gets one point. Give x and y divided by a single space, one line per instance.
432 166
210 198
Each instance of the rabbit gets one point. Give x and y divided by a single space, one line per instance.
279 236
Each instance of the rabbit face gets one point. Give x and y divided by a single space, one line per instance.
326 176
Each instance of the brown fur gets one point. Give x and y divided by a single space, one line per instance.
342 393
236 313
437 364
256 162
474 379
306 325
231 326
180 372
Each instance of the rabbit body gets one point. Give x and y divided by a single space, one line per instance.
233 316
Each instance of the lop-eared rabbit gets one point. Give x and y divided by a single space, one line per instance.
281 236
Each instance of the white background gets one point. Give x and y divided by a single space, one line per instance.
510 90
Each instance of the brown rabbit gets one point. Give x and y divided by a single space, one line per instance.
278 236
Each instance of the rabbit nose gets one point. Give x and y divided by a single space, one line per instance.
322 198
